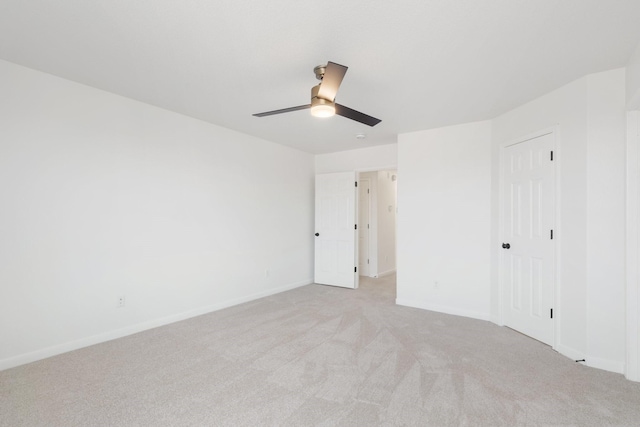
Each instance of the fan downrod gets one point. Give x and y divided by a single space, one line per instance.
319 70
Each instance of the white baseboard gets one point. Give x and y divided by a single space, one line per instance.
387 273
443 309
593 362
631 376
33 356
570 352
496 320
607 365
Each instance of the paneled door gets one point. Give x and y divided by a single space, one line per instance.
528 261
335 234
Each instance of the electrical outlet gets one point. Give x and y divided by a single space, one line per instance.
436 285
266 273
121 301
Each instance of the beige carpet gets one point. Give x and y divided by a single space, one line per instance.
323 356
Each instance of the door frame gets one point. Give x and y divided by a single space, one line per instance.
360 226
632 357
557 237
374 188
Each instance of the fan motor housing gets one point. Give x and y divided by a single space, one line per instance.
315 100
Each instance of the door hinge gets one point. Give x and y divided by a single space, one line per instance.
356 183
367 191
367 261
552 313
552 156
356 226
551 234
355 269
367 225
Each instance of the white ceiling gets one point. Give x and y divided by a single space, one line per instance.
415 64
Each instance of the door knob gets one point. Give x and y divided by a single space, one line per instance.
506 246
317 234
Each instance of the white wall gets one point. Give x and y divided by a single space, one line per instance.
444 219
364 159
588 115
606 147
103 196
632 370
633 80
386 221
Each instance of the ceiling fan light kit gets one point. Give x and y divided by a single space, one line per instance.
323 97
321 107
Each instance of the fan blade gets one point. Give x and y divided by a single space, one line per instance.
284 110
356 115
333 75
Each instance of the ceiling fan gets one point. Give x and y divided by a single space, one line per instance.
323 97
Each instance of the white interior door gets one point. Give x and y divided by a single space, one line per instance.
335 244
364 206
528 251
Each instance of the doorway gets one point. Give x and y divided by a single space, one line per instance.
377 210
364 231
